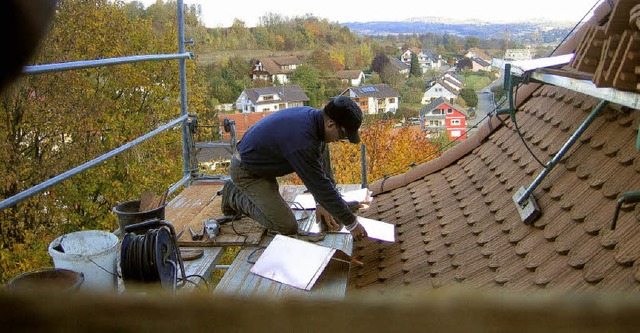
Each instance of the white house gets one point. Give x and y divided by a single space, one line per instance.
276 70
426 58
351 76
271 98
518 54
440 89
374 99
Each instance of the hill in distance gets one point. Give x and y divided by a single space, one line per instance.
463 28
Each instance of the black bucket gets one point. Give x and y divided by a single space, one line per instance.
59 279
128 214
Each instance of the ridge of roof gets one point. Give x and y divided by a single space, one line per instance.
448 157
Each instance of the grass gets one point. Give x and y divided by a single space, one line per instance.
476 82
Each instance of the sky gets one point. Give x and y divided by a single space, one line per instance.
217 13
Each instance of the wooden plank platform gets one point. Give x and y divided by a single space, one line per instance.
332 284
199 270
199 201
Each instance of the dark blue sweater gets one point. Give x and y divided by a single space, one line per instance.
288 141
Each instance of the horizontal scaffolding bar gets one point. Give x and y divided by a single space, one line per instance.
70 173
39 69
626 98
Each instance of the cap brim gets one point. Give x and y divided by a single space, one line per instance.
354 136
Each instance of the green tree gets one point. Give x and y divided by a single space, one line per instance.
391 76
307 77
415 70
469 96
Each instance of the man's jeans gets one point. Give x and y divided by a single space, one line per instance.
259 198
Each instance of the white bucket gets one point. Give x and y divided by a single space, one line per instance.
91 252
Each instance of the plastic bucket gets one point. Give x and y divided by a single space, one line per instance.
128 214
51 278
91 252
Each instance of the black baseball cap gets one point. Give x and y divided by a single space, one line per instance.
346 113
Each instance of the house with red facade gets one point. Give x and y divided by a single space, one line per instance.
442 116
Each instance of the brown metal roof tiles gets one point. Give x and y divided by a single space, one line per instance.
597 268
584 251
457 222
548 271
511 270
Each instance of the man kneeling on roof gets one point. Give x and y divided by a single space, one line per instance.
287 141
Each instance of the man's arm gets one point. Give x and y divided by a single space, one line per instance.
307 163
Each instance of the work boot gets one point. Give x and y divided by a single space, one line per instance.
228 191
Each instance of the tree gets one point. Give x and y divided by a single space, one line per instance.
471 42
307 78
54 122
389 151
415 70
379 62
391 76
469 96
464 63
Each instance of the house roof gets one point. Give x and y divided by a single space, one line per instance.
457 223
273 65
287 60
439 101
349 74
243 122
450 85
377 90
481 61
453 79
479 53
399 64
288 93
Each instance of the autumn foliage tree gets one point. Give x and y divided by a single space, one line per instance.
389 151
56 121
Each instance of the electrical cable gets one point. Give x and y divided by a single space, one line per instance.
576 25
139 260
249 260
515 123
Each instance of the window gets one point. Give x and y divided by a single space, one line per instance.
392 100
267 98
455 134
455 122
449 111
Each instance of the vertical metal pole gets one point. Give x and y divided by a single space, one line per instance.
186 149
363 154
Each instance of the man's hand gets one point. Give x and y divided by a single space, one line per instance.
323 216
359 233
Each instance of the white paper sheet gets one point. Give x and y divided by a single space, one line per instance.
293 262
306 200
378 230
362 195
